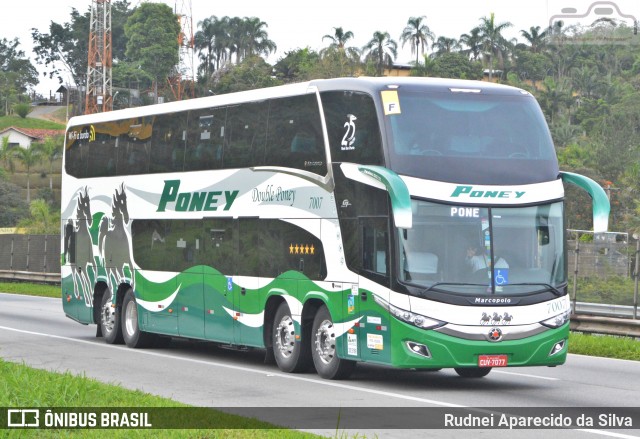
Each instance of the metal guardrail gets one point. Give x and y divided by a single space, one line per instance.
601 309
30 276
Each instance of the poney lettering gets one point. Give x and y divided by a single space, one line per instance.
193 201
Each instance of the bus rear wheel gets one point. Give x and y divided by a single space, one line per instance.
323 350
291 354
472 372
133 336
110 320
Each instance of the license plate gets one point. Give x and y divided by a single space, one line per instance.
492 361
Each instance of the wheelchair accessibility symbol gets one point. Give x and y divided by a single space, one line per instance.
501 276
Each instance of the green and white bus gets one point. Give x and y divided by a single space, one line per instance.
410 222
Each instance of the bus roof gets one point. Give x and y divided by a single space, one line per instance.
370 85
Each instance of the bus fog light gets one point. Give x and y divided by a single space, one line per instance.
419 349
558 347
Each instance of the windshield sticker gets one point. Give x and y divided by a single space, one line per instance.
390 102
349 137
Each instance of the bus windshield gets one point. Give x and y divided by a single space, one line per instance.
483 250
471 137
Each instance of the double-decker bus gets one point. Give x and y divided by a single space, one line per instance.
416 223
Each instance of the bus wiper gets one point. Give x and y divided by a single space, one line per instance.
433 287
547 287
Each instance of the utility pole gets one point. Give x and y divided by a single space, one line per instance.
99 76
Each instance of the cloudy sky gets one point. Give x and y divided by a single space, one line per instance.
295 24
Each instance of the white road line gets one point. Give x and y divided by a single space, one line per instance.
525 375
292 377
608 433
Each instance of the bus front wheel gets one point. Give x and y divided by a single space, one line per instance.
133 336
110 320
472 372
325 359
291 354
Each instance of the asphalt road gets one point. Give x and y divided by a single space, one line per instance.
35 331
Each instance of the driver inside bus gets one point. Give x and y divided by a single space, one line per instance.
478 260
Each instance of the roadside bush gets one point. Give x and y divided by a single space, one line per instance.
22 110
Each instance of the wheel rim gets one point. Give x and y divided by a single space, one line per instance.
285 337
325 342
131 318
108 317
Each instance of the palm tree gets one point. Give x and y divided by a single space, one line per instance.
445 45
206 41
418 34
535 38
493 43
382 49
257 40
29 157
51 149
338 43
473 41
6 154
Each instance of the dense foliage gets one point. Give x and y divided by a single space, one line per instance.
587 79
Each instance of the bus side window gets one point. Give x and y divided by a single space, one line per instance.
204 139
352 126
168 142
294 138
245 132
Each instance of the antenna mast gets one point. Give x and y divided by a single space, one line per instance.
184 70
99 76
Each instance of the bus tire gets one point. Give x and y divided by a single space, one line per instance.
133 336
110 320
323 349
472 372
291 354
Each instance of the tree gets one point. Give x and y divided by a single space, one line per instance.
445 45
42 220
296 65
473 41
7 155
211 42
455 65
14 208
64 48
532 66
338 43
29 158
251 73
51 150
493 43
22 109
535 38
17 74
382 49
152 32
418 34
255 38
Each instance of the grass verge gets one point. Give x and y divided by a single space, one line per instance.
67 390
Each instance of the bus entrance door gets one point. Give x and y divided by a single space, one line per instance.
191 306
219 304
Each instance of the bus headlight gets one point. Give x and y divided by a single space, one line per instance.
557 321
412 318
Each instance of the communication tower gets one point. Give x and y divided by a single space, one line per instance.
99 76
181 82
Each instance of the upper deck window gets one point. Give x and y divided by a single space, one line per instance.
471 137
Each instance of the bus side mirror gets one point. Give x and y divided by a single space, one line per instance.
601 205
